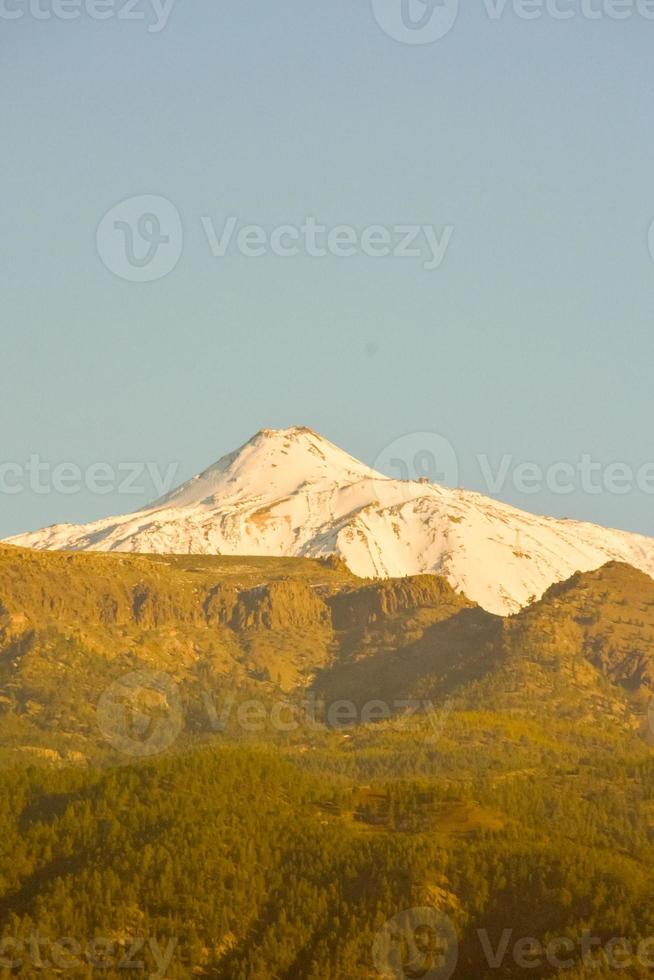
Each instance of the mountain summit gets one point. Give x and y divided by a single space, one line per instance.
290 492
273 463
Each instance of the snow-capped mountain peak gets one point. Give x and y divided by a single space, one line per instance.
291 492
273 463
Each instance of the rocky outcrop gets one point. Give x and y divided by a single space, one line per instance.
278 606
370 605
605 616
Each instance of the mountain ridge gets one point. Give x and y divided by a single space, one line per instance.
282 630
292 493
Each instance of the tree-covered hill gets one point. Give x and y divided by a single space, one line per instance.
303 757
231 862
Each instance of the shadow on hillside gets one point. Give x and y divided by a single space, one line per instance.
449 654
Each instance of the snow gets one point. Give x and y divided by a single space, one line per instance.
290 492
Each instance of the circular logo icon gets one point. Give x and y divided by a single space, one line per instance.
416 21
141 239
426 457
419 943
141 714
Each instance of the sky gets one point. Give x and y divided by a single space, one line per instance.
512 158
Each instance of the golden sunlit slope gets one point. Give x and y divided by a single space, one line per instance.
72 624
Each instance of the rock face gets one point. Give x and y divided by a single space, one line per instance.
279 606
373 604
292 493
147 595
71 625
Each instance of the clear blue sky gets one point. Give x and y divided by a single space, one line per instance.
533 139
